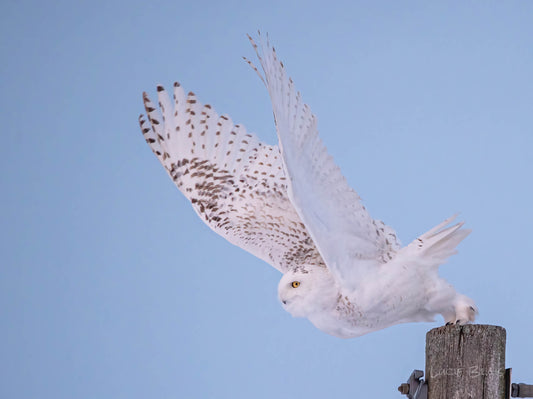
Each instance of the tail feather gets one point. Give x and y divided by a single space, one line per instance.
440 242
431 250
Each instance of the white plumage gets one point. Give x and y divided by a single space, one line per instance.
292 207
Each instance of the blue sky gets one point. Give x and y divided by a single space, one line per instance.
111 287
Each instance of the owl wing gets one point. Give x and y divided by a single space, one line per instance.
235 183
347 237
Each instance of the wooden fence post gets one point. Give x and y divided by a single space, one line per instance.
466 362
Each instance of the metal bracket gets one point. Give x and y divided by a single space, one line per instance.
517 390
521 391
415 388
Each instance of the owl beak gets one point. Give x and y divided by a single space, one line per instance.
284 302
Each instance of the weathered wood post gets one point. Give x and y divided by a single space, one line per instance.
466 362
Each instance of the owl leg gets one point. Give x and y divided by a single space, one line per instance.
464 311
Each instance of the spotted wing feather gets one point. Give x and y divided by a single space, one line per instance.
235 183
350 241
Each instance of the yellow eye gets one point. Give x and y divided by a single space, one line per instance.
295 284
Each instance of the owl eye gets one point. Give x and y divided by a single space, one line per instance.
295 284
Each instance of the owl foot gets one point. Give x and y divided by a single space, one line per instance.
465 312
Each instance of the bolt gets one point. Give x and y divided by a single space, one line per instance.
404 388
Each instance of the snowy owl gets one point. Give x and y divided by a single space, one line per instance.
291 206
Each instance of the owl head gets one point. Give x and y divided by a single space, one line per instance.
307 290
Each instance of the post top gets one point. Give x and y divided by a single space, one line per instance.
469 329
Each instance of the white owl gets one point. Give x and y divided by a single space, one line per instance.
291 206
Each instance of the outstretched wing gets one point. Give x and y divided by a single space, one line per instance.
349 240
235 183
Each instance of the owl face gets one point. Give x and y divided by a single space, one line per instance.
301 292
